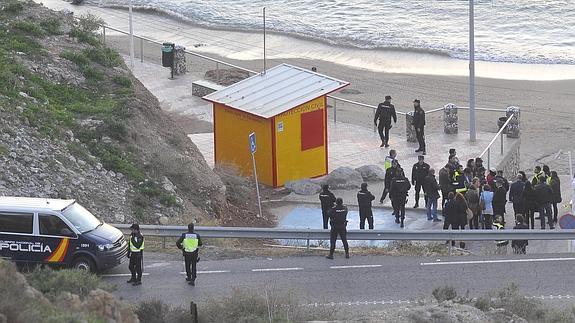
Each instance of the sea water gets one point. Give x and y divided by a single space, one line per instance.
518 31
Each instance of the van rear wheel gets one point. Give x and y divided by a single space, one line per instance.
85 264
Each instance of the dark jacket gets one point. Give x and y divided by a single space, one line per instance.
516 194
327 200
181 240
530 198
543 194
384 113
338 216
418 119
501 181
456 212
480 172
419 172
399 187
444 181
555 184
430 187
137 239
499 201
364 199
389 175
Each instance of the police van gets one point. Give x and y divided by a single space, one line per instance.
57 232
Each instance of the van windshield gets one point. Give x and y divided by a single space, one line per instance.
81 218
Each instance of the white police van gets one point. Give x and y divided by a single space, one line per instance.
57 232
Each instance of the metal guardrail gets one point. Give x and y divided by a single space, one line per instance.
320 234
499 134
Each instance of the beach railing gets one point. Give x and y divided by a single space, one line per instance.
499 135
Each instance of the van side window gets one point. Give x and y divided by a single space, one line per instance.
16 222
51 225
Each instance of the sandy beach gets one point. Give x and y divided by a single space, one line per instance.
545 95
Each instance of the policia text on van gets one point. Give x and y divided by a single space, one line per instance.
57 232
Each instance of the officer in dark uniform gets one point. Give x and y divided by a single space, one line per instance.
389 175
338 222
327 200
189 243
136 255
364 198
398 193
419 172
384 113
419 124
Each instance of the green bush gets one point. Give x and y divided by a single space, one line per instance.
79 58
122 80
13 7
259 306
149 188
85 37
3 150
446 293
156 311
24 44
52 283
168 200
29 27
51 26
104 56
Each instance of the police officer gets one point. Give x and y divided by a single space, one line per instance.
419 172
458 181
338 222
384 113
389 175
189 243
327 200
419 124
136 255
398 194
364 198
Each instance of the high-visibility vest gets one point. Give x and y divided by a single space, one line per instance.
190 242
456 183
387 163
134 249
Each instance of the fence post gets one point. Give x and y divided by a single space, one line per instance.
501 143
141 50
104 34
307 245
164 242
218 72
334 110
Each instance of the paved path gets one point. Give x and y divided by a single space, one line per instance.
358 281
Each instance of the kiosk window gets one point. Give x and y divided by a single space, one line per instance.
16 222
51 225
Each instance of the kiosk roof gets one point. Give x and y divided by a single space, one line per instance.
280 89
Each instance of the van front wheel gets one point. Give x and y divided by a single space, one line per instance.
85 264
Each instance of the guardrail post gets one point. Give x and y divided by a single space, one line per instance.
307 244
164 242
141 50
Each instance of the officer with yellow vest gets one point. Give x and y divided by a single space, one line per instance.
458 181
136 255
189 243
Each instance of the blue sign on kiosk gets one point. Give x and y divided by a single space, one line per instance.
252 142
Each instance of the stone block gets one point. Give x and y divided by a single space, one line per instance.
450 119
409 128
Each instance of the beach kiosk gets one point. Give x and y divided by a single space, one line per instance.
286 109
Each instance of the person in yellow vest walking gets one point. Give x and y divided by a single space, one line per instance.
136 255
189 243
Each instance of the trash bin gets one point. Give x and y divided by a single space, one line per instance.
168 54
500 122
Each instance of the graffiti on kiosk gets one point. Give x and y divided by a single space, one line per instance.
24 246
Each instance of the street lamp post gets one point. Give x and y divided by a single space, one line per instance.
131 36
472 132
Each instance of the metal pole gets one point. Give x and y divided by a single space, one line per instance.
131 37
218 72
141 50
572 179
334 110
264 40
104 34
472 134
257 186
489 158
501 135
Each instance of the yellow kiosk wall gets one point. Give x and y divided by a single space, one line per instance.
232 128
291 162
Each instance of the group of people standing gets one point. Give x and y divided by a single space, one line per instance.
385 114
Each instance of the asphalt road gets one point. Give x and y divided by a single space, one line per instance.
360 280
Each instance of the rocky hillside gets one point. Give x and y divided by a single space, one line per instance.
76 124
